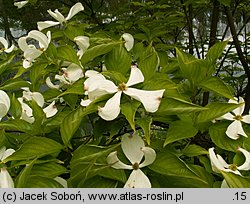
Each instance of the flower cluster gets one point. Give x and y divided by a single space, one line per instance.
219 164
69 75
31 52
6 47
97 85
59 17
27 112
235 129
134 149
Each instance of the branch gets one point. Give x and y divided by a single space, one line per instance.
241 56
212 38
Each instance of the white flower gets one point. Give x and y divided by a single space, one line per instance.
36 96
4 153
4 104
50 110
69 76
219 164
5 178
129 41
31 52
83 43
6 47
27 112
20 4
59 17
235 129
96 85
134 149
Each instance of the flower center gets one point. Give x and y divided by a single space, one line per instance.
122 87
135 166
233 167
238 117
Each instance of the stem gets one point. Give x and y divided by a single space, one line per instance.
212 39
240 55
192 41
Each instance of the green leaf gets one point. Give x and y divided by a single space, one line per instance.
74 29
180 130
97 50
72 121
218 135
236 181
14 84
118 60
163 82
49 170
89 161
169 164
216 85
215 110
216 51
148 62
39 116
194 150
225 2
22 178
202 173
55 121
170 106
36 73
98 182
129 109
51 94
42 182
6 63
196 70
89 152
15 108
38 113
75 88
16 125
68 53
145 124
35 147
2 137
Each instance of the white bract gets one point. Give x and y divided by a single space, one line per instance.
62 181
129 41
20 4
70 75
59 17
31 51
97 85
235 129
134 148
4 104
5 47
83 43
5 178
27 112
219 164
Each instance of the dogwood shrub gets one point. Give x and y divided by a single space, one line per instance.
81 109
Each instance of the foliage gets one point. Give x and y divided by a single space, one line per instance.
55 135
